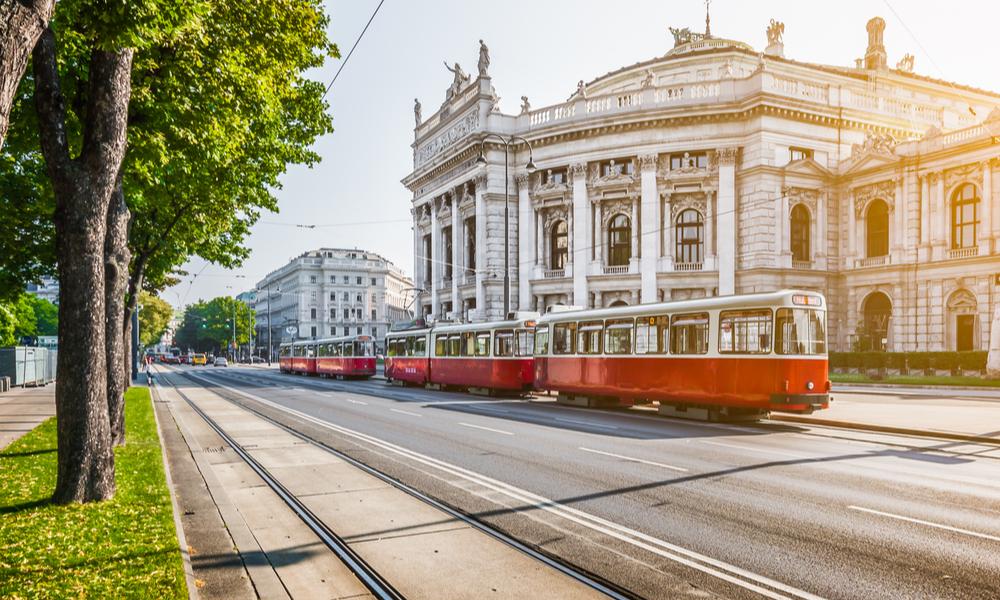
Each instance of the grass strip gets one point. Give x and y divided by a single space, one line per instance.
122 548
917 380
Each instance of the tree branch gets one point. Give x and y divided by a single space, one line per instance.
104 136
51 107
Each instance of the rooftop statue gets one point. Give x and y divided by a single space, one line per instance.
416 111
775 32
484 59
905 64
681 36
525 105
461 79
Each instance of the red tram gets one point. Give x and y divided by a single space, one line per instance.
484 357
351 356
731 356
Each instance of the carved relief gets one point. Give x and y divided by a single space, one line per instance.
578 170
806 196
610 209
465 125
522 180
683 201
647 162
553 215
884 190
964 173
727 156
875 143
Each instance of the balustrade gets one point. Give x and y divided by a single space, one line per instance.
969 252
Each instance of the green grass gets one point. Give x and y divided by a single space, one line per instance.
122 548
958 380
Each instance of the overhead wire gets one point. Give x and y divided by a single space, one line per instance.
348 57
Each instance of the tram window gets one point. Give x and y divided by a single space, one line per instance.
410 343
525 341
440 345
563 338
390 347
745 331
618 336
483 343
469 343
689 334
589 337
454 345
362 348
504 343
346 349
542 341
420 346
652 334
800 331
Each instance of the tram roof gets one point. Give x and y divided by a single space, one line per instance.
460 327
778 298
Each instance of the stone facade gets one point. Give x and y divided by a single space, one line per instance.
332 292
715 169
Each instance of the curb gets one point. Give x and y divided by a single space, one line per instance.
912 386
979 439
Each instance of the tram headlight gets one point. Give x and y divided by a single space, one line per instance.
809 385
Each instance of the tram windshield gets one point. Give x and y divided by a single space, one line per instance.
800 331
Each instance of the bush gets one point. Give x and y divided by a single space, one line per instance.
918 360
838 360
973 360
944 361
853 359
896 360
874 360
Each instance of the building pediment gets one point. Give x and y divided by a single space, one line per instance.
870 160
808 168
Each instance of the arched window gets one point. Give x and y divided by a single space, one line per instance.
558 245
619 241
964 216
618 302
877 312
877 229
800 233
689 234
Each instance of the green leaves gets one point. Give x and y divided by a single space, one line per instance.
154 316
208 326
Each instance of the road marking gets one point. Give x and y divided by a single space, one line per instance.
711 566
405 412
781 453
486 428
356 401
927 523
587 423
638 460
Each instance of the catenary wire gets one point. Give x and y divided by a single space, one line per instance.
348 57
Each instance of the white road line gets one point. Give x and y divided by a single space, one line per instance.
405 412
486 428
927 523
587 423
747 580
781 453
356 401
637 460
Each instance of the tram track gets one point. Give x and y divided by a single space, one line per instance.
379 587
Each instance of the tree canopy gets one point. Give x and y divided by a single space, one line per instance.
154 317
26 316
208 326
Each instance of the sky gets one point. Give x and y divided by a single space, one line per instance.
539 49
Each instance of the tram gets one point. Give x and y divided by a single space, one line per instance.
711 358
480 357
346 357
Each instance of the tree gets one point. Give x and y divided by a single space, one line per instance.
21 24
208 326
46 316
154 317
8 323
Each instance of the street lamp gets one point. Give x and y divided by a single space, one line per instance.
506 202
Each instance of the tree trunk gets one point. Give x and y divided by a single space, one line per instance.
116 261
83 189
21 22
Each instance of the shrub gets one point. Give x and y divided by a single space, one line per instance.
973 360
918 360
853 359
838 360
944 361
896 360
874 360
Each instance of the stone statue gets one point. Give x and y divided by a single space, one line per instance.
460 80
905 64
581 90
484 59
525 105
681 36
775 32
416 111
727 69
647 81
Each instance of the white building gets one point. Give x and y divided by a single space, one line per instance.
47 288
331 292
718 169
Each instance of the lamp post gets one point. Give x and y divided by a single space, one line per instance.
506 202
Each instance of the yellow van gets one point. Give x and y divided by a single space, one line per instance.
198 359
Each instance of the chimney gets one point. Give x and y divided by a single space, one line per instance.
875 57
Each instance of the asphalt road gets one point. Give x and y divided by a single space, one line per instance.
668 508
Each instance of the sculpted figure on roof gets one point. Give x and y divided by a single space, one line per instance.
775 31
484 59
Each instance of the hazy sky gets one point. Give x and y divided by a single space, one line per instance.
539 49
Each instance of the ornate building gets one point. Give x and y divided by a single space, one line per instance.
717 169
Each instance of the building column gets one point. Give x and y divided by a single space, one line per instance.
667 235
455 258
634 242
897 237
986 213
852 231
710 229
418 263
596 233
820 250
650 220
481 181
435 259
539 240
782 232
580 233
525 241
925 218
727 221
939 216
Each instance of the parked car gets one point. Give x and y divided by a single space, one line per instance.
170 359
199 359
221 362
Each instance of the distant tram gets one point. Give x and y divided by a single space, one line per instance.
480 357
345 357
712 358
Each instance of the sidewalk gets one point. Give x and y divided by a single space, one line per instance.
897 411
23 409
420 550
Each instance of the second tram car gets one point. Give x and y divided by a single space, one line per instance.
484 357
723 357
349 356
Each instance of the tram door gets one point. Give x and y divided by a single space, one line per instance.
964 332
